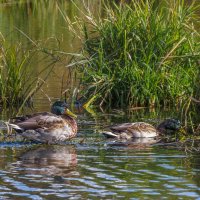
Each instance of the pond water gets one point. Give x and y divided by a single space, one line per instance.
89 167
96 169
41 22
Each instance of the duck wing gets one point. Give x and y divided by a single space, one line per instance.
26 117
121 127
131 130
38 120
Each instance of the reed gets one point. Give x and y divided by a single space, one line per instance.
19 81
139 54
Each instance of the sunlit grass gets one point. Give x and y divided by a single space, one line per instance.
19 81
140 54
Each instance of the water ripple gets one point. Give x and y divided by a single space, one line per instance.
70 172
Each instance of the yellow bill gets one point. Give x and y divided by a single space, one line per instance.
70 113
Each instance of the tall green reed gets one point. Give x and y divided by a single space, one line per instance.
140 54
19 80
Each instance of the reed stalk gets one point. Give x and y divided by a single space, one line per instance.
19 80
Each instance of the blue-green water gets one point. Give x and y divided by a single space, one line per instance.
85 172
90 167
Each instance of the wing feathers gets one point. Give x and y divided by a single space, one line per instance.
129 130
39 120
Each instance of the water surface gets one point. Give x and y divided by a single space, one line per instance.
89 167
60 172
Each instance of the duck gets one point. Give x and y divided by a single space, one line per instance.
52 127
128 131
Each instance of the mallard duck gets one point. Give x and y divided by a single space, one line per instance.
50 128
141 129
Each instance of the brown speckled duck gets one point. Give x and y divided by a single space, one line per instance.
50 128
142 129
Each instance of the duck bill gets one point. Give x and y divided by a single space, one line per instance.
70 113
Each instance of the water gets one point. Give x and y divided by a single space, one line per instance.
41 22
89 167
60 172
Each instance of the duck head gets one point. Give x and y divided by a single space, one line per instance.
169 126
61 108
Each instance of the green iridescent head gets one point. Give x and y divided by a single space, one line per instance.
61 108
170 125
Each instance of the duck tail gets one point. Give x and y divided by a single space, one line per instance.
109 134
15 127
9 126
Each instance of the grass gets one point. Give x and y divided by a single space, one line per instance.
19 81
139 54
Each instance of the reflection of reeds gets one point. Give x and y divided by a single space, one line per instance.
39 21
141 54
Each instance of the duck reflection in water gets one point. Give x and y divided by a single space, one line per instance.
59 161
134 143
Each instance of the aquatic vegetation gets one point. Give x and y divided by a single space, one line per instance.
18 80
143 53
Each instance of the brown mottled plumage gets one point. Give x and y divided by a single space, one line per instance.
50 128
141 129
